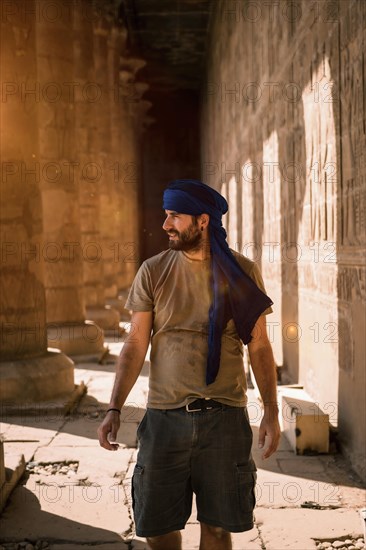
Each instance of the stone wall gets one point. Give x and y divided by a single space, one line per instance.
284 137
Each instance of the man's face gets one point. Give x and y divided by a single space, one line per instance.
183 231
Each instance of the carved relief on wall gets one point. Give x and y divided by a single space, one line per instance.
353 145
352 284
271 190
321 157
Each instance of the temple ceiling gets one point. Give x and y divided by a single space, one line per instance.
171 36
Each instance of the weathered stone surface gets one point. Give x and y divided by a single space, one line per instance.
94 464
23 291
278 139
50 509
63 269
83 432
38 379
39 429
39 157
303 527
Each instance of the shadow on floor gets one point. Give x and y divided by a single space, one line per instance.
34 524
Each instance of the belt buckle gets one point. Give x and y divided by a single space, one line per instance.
203 407
192 410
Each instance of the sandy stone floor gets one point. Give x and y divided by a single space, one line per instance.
74 494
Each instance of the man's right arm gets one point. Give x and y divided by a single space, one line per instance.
129 366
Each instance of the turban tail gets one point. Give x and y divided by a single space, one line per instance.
235 294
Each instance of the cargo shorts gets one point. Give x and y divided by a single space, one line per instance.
206 452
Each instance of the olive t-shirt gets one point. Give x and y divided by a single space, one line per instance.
178 291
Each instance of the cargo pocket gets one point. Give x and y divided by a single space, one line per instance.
136 487
246 485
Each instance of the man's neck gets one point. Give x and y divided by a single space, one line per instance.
198 253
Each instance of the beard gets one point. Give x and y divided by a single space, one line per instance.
189 239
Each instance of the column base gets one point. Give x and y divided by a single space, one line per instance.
36 379
58 407
76 338
119 305
105 317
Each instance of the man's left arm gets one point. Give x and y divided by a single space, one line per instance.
264 369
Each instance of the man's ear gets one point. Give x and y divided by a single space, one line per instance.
205 219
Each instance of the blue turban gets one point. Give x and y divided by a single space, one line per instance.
235 294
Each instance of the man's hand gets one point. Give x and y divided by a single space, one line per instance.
107 431
129 365
263 366
269 433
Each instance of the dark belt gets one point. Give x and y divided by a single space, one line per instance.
203 405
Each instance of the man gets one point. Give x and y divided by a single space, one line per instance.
202 301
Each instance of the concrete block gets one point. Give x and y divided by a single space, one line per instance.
304 424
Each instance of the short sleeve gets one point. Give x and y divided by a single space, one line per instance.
140 296
258 279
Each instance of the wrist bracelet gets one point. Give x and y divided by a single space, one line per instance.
117 410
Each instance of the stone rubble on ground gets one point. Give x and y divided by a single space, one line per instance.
53 468
347 544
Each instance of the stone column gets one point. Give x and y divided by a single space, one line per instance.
118 160
88 97
136 116
100 155
115 176
61 170
28 371
135 109
129 259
